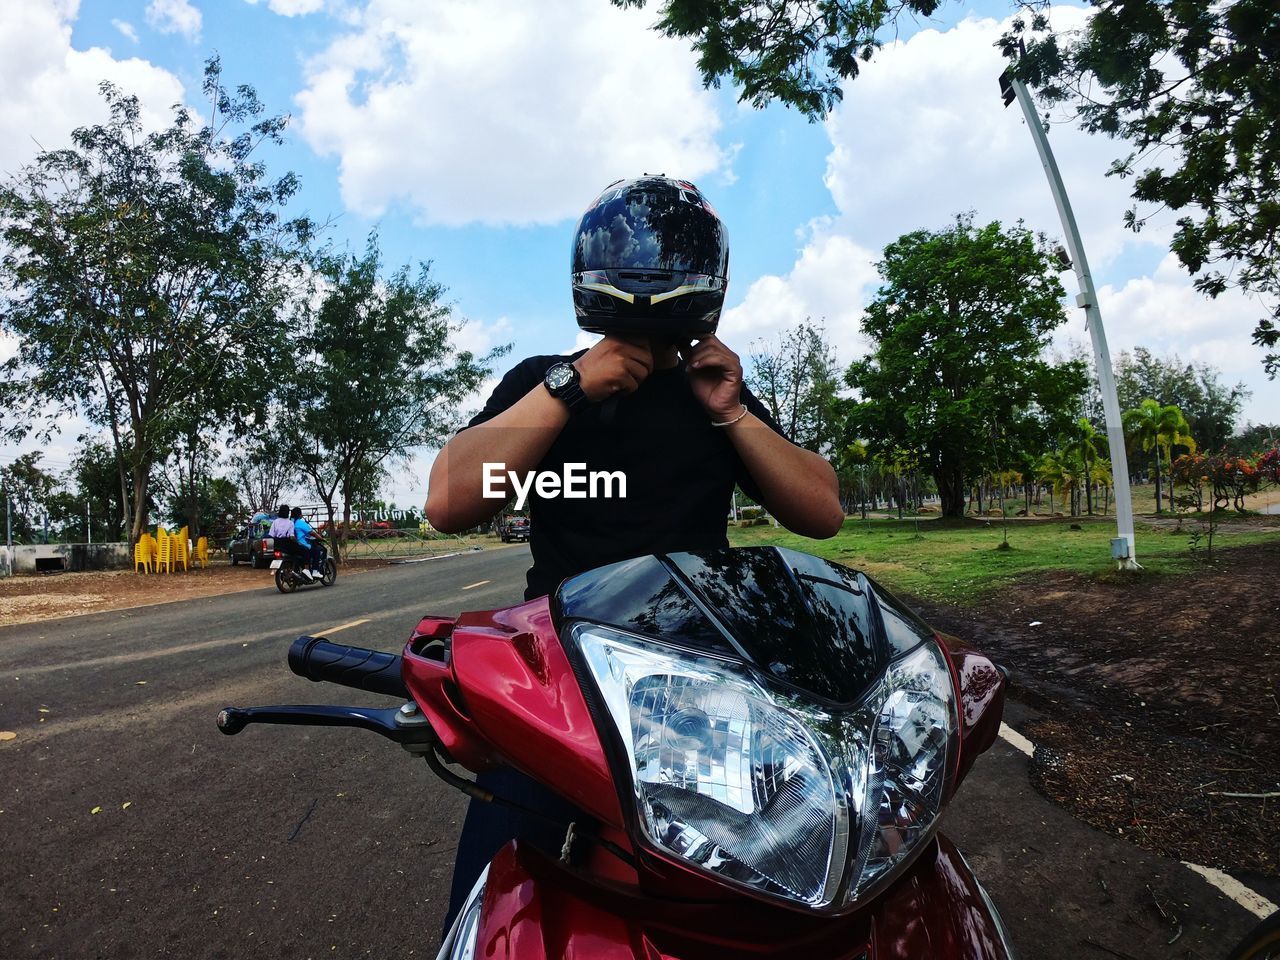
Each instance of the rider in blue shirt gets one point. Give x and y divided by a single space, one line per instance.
310 541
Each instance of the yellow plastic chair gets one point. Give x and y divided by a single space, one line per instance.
182 550
202 553
153 548
164 551
142 554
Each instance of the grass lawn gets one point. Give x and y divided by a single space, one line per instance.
961 562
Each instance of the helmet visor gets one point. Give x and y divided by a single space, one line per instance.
663 227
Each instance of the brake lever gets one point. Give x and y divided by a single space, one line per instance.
404 725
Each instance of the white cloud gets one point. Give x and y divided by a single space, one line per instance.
51 88
1166 314
921 135
126 29
504 111
292 8
175 16
829 284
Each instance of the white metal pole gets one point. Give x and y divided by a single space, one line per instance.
88 524
1123 548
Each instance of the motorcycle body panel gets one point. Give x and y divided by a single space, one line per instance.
534 910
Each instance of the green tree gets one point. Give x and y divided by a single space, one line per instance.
797 379
1085 444
1209 405
1058 472
143 273
959 329
261 466
378 376
96 476
1191 86
30 490
1161 428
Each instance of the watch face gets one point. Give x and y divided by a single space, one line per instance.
559 376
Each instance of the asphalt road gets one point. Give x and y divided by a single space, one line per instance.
287 842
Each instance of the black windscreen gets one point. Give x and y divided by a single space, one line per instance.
804 621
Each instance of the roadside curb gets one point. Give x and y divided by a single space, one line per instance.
1228 885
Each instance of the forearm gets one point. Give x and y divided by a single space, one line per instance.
518 438
798 486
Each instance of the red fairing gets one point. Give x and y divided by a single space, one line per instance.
532 911
433 686
524 699
982 690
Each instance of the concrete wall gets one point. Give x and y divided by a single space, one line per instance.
65 556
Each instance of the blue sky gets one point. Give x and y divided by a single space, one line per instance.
472 132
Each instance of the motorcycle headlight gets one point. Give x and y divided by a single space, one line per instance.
763 789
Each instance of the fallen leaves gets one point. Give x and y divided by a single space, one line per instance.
7 735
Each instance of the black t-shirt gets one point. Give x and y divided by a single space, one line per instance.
680 474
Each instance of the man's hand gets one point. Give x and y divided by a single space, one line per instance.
614 366
715 374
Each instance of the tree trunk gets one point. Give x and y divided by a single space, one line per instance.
1088 485
951 492
141 480
1159 494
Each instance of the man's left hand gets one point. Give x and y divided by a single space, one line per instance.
715 374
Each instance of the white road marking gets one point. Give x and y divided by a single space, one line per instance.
1254 902
1017 740
478 583
341 626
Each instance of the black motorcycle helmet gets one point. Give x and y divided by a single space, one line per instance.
650 257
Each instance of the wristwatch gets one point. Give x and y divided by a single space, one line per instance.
564 383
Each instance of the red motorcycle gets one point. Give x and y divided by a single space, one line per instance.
760 742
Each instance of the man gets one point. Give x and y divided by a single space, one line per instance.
309 542
659 400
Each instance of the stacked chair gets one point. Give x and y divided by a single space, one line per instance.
144 553
168 551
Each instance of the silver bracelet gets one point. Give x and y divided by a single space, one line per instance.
729 423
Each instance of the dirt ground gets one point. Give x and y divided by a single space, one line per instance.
1160 698
27 599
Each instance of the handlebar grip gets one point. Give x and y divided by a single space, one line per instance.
317 659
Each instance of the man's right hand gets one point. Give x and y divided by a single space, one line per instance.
614 366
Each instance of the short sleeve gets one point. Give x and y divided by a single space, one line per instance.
761 412
518 381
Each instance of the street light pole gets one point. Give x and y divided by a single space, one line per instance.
1122 547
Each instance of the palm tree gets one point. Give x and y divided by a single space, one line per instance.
1101 475
1057 471
1162 428
1083 444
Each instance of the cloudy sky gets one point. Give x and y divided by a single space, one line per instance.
473 133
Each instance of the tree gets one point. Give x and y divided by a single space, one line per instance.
378 376
1193 86
1084 443
1253 438
1160 427
959 329
797 380
262 468
96 476
143 273
1209 405
30 490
